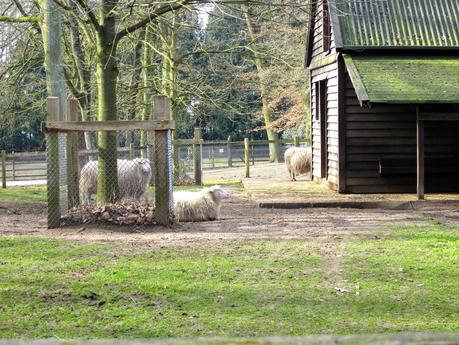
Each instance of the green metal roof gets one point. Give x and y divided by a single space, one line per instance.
395 23
389 79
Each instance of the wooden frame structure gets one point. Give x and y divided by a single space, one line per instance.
161 132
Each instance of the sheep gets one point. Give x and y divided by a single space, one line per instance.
133 178
298 161
198 206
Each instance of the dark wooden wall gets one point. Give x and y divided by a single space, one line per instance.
369 136
387 133
330 74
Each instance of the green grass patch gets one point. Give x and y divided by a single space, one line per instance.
406 280
24 194
68 290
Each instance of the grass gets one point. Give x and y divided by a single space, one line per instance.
23 195
38 194
406 280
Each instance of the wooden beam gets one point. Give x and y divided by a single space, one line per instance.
439 116
111 125
323 118
52 166
420 185
162 108
341 125
73 192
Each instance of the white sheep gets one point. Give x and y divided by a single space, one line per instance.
298 161
133 178
198 206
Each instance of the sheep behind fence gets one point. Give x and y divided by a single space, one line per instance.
133 178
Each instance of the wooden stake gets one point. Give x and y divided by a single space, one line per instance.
73 195
230 154
54 213
163 164
246 157
3 169
296 141
197 152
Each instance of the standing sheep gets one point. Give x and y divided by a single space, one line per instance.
298 161
198 206
133 178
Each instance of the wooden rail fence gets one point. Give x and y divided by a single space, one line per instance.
19 166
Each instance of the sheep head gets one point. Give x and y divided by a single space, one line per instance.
143 164
217 193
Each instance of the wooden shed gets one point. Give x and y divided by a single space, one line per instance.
385 95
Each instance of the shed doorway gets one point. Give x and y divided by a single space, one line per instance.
437 153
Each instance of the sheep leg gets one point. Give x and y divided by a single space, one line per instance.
294 179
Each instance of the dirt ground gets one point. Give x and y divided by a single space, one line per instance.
241 220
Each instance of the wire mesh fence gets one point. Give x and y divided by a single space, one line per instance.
126 178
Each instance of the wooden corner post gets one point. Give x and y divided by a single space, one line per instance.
163 163
420 156
52 166
73 191
197 156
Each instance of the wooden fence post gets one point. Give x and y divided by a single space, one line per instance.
131 151
13 165
73 190
296 141
230 154
197 152
253 153
52 146
246 157
3 169
176 155
212 156
163 164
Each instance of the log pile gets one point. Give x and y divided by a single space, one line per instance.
184 180
122 213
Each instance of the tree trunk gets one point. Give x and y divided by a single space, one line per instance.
107 74
274 148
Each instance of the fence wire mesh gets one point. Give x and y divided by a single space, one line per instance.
112 181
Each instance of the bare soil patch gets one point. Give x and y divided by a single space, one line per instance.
241 220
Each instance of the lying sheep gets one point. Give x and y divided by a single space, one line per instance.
198 206
298 161
133 178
